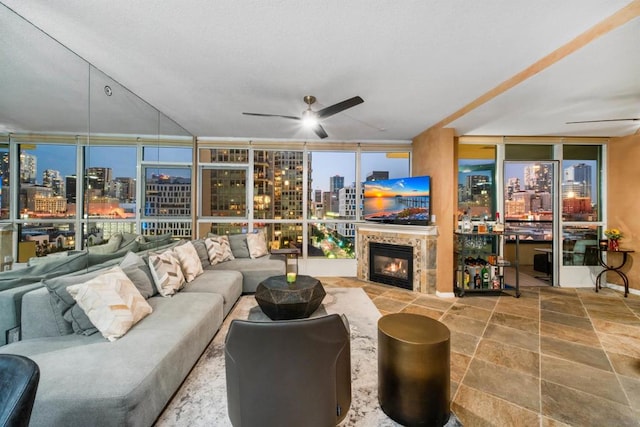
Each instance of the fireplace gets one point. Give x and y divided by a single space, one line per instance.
391 264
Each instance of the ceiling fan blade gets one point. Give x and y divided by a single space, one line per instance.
272 115
319 130
340 106
606 120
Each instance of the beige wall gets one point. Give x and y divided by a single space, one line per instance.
623 200
434 154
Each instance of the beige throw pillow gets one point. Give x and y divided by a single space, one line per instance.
189 261
112 302
219 249
166 272
257 244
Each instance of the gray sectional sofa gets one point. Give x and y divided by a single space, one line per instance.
87 380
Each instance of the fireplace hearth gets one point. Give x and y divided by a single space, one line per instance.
391 264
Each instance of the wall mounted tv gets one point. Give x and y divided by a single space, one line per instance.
398 201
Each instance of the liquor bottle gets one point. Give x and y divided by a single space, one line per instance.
467 226
482 227
477 282
485 277
498 226
466 278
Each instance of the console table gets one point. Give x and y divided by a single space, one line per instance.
616 268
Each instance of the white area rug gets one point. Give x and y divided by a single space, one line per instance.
202 401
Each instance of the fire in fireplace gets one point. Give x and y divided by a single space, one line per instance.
391 264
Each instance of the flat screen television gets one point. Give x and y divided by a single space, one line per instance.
398 201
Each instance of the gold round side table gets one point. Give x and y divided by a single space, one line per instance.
414 369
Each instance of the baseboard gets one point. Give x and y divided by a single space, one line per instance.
621 288
445 294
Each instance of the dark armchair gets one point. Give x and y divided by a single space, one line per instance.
288 373
19 378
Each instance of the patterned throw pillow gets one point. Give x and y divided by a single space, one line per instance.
257 244
219 249
189 261
166 272
112 302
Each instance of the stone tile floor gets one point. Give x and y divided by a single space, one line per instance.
553 357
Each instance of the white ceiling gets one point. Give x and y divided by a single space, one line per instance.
204 62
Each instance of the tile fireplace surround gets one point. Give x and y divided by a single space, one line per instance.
423 240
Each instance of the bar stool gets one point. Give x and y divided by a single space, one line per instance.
414 369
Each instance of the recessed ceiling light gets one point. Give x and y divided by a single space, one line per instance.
108 90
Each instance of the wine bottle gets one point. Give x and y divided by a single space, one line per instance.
485 277
498 227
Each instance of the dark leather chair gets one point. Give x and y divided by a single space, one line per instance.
288 373
19 378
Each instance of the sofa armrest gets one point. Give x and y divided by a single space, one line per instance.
38 319
10 308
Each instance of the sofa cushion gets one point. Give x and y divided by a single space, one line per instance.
254 270
219 249
227 283
166 272
62 265
257 245
129 241
54 257
239 246
189 261
110 247
154 241
112 302
68 315
140 274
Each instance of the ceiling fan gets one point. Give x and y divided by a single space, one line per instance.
312 118
636 119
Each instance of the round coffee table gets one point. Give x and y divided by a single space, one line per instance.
284 301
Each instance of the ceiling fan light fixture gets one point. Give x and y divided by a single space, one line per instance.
309 119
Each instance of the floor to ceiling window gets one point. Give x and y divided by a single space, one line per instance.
166 190
550 194
303 196
46 191
67 194
476 181
5 196
109 191
582 224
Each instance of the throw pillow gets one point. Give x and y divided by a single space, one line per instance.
166 272
68 315
189 261
112 302
219 249
138 271
239 245
257 245
201 248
